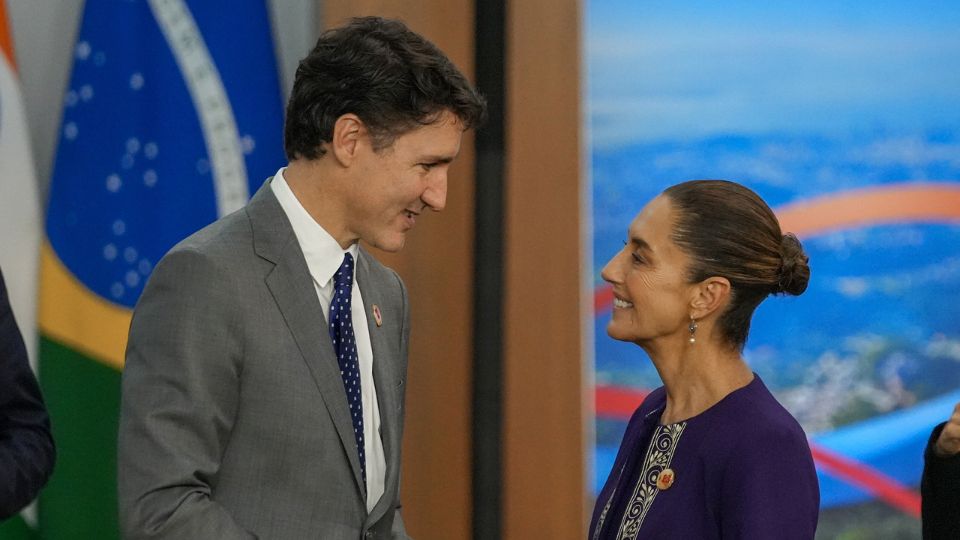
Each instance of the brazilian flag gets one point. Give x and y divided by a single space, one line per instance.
172 118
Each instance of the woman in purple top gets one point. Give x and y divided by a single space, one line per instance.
710 454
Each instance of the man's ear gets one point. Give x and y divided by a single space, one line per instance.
348 132
709 296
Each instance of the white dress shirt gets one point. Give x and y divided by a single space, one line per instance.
324 256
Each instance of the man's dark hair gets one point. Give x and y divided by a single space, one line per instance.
380 70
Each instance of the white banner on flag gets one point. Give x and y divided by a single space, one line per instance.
20 225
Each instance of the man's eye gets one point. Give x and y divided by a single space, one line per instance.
637 259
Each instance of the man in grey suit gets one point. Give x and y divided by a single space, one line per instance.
264 382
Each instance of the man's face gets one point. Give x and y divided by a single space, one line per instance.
393 186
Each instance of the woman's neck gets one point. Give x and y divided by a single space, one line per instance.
697 376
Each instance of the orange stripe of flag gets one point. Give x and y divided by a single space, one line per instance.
6 37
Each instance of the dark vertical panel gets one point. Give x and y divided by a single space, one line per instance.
488 275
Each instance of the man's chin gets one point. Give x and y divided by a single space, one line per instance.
390 245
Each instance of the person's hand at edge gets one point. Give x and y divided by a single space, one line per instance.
948 444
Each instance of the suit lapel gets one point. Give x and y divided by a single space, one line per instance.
292 288
384 340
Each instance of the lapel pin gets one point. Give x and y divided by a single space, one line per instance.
377 316
665 479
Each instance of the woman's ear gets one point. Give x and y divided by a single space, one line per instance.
709 296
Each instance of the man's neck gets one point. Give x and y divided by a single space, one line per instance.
317 185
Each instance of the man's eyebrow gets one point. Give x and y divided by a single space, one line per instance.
437 159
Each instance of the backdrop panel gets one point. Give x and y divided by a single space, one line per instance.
843 116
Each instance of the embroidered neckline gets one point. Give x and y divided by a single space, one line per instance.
663 445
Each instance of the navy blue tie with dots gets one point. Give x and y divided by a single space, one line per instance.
345 346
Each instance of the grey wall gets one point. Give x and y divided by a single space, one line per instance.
44 33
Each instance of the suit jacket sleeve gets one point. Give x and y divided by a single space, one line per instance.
26 446
180 395
940 492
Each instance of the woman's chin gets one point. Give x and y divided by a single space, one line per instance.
619 333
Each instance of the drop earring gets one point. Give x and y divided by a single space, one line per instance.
693 330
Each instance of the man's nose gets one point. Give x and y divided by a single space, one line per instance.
435 196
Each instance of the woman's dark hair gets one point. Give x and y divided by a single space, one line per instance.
728 231
390 77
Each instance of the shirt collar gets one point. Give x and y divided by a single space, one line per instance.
322 252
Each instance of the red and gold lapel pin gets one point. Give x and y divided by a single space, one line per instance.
377 316
665 479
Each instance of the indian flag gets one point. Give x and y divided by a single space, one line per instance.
20 227
172 118
19 218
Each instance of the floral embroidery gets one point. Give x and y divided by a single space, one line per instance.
663 444
603 515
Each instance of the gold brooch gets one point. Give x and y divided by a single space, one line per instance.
665 479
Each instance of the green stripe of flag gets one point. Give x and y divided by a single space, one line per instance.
83 398
17 529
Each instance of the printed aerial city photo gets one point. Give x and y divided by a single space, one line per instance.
842 117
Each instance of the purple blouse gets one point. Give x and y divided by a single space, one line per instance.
740 469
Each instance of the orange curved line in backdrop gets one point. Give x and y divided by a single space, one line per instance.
872 206
892 203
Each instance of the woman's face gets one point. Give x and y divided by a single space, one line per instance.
651 293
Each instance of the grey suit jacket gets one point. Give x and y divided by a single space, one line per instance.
234 421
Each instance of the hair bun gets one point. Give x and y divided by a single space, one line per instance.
794 272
